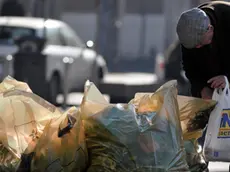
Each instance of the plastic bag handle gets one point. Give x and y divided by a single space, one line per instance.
226 86
70 124
221 92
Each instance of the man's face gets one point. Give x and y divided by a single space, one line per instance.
207 38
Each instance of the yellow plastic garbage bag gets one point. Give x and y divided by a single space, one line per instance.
62 145
10 83
144 135
23 116
194 115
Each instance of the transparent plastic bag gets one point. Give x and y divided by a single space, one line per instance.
61 147
194 116
23 116
144 135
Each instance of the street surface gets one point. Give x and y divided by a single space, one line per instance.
218 167
74 99
130 79
135 79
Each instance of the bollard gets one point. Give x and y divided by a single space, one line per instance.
9 60
7 67
67 62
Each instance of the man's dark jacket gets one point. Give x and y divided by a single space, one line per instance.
201 64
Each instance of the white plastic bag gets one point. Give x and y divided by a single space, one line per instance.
217 139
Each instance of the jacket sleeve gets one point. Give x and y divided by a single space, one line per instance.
193 73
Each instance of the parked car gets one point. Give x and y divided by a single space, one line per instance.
168 67
62 44
174 70
159 69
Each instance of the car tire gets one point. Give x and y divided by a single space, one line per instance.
97 76
54 89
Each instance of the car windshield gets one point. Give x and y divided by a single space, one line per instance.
9 34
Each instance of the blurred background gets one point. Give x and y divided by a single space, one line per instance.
123 46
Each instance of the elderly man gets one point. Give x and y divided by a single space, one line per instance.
204 33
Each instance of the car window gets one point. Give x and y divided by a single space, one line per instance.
70 37
9 34
53 36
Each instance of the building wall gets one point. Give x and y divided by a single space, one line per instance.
131 36
85 24
141 29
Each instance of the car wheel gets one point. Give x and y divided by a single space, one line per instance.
97 76
54 89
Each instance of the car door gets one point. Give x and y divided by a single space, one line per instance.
53 50
80 69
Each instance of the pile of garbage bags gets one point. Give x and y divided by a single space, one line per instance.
153 132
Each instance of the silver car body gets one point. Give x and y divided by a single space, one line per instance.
86 63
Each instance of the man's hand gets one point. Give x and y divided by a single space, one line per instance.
206 93
217 82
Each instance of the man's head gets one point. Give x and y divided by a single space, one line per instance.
194 29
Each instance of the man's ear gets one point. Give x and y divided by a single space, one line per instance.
211 27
